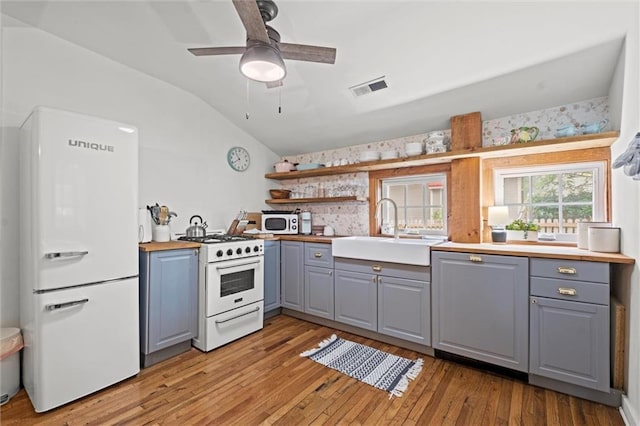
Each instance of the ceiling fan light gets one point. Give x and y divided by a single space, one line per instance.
262 62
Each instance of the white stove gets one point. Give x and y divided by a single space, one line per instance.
231 288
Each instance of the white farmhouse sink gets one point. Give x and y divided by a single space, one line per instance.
403 250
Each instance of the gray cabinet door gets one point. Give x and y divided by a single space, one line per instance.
356 299
480 307
271 275
570 342
404 309
292 275
318 291
173 298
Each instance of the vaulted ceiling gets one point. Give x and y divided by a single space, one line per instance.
439 58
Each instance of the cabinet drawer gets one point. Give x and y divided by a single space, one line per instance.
410 272
577 291
318 255
576 270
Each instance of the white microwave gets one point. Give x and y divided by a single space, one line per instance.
275 223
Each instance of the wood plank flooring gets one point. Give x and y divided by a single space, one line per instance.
261 379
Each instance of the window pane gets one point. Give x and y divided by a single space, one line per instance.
435 219
583 213
414 195
518 212
516 190
577 186
548 217
545 188
396 193
415 217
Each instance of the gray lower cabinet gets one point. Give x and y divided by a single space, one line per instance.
271 275
318 280
168 302
389 298
404 309
292 275
480 307
569 322
356 299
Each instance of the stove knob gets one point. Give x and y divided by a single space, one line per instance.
256 249
247 250
229 252
219 253
239 250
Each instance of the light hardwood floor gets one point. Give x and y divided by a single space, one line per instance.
262 379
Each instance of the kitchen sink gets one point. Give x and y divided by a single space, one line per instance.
381 249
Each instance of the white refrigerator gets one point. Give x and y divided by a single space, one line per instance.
78 255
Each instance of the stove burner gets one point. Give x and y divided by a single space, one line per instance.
215 239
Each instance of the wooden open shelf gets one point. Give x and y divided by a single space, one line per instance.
572 143
314 200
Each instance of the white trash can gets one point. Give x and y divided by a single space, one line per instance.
10 345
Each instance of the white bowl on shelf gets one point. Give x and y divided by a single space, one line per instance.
369 156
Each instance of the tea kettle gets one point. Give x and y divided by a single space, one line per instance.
197 229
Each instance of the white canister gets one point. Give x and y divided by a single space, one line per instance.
604 239
583 232
161 233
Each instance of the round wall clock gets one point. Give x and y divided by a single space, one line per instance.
238 158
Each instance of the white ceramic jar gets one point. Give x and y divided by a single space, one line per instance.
604 239
583 232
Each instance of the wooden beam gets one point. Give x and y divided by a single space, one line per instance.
466 131
464 205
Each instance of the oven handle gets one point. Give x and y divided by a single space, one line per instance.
237 264
256 309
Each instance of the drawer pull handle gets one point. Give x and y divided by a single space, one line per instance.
318 254
566 270
377 268
566 291
475 258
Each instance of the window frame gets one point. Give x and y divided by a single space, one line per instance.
375 192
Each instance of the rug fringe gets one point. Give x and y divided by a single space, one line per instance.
403 384
321 345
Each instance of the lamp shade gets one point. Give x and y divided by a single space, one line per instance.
262 62
498 216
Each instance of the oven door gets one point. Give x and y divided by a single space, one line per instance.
234 283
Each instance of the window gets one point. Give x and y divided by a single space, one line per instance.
555 197
421 201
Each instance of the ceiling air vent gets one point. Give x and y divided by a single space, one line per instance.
369 87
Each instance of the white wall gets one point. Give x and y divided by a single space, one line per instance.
624 100
183 141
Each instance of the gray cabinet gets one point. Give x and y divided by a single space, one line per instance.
271 275
318 280
404 309
569 322
292 275
480 307
389 298
168 302
356 298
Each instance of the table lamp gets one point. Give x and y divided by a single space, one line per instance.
498 218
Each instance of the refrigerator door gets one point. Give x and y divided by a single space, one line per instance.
84 339
83 211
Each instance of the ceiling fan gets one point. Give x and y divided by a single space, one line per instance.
262 57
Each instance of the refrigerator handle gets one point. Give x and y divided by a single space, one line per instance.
65 254
54 306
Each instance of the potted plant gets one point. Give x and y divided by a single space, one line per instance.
521 230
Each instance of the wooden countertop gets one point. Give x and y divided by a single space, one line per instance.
533 250
169 245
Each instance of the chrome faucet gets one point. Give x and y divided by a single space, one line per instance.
395 214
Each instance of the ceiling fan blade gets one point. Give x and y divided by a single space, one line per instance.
273 84
206 51
252 20
304 52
